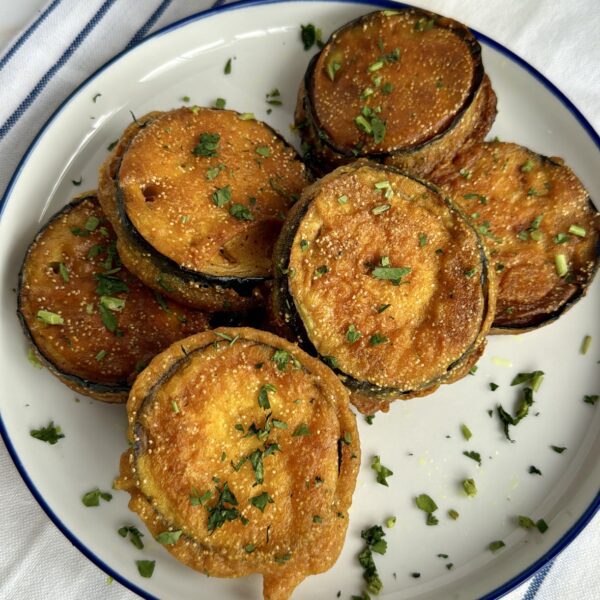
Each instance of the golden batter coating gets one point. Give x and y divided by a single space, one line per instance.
530 209
385 280
403 87
245 448
92 323
197 197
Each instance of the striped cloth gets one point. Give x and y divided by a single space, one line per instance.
68 40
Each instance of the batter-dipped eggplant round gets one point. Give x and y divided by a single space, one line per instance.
540 226
244 450
92 323
197 197
386 280
404 87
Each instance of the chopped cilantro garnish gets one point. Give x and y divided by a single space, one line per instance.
527 166
466 432
558 449
264 151
453 514
319 271
49 318
469 487
200 500
585 345
263 397
388 273
526 401
310 35
227 69
374 543
591 399
332 68
33 358
330 361
473 196
495 546
378 210
77 182
261 501
382 472
135 535
301 430
427 505
494 386
114 304
352 334
49 434
221 196
145 567
108 318
473 456
534 470
92 498
168 538
424 24
208 145
390 522
109 285
241 212
223 510
281 358
377 339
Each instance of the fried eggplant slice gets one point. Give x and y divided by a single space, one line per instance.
244 448
197 197
92 323
385 280
540 226
403 87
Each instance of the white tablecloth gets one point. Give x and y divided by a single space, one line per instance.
62 44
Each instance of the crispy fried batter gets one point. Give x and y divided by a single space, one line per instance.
225 417
201 192
70 269
385 280
524 204
404 87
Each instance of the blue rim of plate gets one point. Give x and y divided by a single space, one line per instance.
219 8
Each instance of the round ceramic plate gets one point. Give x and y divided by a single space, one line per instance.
419 440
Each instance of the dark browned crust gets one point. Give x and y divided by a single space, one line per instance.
221 553
116 392
470 124
286 321
524 316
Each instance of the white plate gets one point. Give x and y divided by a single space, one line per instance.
420 440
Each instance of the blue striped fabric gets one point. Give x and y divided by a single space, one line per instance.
28 32
145 28
537 581
43 82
